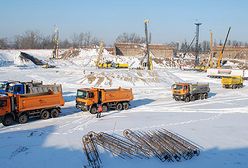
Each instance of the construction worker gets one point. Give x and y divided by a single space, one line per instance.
99 111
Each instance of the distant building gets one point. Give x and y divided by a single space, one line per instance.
240 52
135 49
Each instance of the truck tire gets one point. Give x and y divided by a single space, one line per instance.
54 113
125 106
233 87
187 99
104 108
93 110
8 120
201 96
192 98
119 106
23 118
205 96
44 115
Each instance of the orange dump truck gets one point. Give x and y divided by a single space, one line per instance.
88 99
22 107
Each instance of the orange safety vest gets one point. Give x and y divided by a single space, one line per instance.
99 108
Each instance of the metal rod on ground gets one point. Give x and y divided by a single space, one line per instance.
91 152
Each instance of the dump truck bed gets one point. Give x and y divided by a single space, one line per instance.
235 80
39 101
199 88
116 95
45 88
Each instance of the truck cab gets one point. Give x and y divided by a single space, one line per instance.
16 88
85 98
180 89
7 86
5 108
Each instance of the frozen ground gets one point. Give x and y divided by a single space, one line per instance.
218 124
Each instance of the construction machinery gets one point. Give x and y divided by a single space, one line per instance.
232 82
22 107
219 73
17 87
89 98
5 86
219 61
190 92
206 64
148 53
107 64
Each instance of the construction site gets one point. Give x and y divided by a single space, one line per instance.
127 104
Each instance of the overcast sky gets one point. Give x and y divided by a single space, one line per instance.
170 20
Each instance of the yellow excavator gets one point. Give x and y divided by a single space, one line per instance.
108 64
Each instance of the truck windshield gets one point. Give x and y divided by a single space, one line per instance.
3 86
178 87
82 94
11 88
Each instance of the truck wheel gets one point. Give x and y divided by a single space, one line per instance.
44 115
22 119
192 98
205 96
8 120
54 113
93 110
119 107
187 99
201 96
125 106
233 87
104 108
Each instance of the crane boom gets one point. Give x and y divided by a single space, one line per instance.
222 51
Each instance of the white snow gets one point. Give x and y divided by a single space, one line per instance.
218 124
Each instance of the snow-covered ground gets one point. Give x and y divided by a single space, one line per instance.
218 124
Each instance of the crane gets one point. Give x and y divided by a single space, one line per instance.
148 53
99 57
223 48
210 58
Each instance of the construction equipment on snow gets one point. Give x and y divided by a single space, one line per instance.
219 62
232 82
190 92
21 107
107 64
88 98
148 54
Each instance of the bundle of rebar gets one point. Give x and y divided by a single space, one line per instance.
91 152
163 144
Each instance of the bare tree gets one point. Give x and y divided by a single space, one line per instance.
65 44
4 43
29 40
47 42
84 40
130 38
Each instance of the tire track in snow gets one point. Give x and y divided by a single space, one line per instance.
217 116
